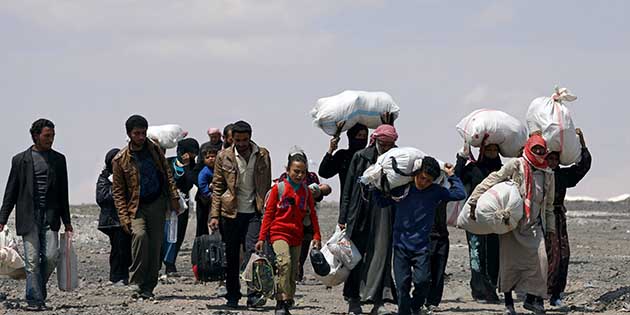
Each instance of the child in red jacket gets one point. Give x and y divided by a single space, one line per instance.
283 225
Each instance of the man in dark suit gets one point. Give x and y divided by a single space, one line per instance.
38 189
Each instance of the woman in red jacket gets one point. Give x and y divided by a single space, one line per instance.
283 224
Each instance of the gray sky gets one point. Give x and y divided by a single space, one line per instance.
88 65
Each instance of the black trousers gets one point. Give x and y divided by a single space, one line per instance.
202 211
120 254
439 258
240 231
304 251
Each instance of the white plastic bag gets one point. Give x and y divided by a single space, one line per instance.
352 107
10 262
67 266
497 128
343 249
166 136
553 119
498 211
407 159
338 271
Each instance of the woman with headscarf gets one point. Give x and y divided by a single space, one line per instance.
369 226
338 162
483 249
183 168
109 223
523 258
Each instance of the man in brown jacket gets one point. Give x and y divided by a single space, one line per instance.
242 177
143 190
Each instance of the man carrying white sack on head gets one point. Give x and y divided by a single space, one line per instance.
369 226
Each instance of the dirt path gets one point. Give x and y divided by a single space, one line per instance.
599 275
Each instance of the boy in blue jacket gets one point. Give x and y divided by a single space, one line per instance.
413 220
204 182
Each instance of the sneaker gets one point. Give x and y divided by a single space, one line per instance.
509 310
133 288
119 284
354 307
36 307
429 309
558 304
535 307
147 295
256 300
282 308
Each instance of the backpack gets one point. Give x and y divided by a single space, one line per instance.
259 275
208 258
280 184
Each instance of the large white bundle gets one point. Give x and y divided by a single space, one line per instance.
352 107
498 211
496 127
553 119
339 272
406 158
166 136
343 249
67 265
453 209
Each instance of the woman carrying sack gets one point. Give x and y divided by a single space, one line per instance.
523 259
283 222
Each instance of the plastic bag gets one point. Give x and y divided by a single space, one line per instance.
550 116
488 126
67 266
338 271
352 107
498 211
343 249
171 229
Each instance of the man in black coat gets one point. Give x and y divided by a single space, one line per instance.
38 189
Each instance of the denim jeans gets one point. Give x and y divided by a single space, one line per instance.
411 268
41 254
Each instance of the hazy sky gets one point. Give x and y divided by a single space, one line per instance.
88 65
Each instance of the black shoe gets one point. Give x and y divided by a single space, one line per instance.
536 307
147 295
36 307
282 308
233 304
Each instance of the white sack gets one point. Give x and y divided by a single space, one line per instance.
67 265
352 107
553 119
502 201
343 249
500 128
338 272
406 158
10 262
166 136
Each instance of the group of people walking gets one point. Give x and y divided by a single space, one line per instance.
402 235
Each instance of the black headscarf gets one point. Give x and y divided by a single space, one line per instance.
109 157
188 145
356 144
491 165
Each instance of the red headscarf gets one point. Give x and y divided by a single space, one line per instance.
533 160
384 133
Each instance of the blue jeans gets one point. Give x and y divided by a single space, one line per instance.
41 255
411 267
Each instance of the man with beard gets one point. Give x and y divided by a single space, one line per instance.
369 226
38 189
143 189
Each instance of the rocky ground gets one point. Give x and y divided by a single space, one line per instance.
599 277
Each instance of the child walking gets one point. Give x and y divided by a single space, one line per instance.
283 225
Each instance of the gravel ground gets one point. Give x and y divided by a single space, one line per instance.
598 282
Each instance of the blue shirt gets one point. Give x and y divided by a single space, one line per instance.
415 213
204 180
